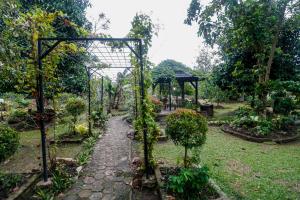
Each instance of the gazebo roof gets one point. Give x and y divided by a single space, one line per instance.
182 76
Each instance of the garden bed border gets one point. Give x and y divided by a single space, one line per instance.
163 194
26 188
237 133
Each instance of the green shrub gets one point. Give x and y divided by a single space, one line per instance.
23 103
8 182
189 183
99 118
283 122
75 107
156 104
17 116
9 140
81 129
186 128
283 105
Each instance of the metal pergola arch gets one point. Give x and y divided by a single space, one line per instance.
137 51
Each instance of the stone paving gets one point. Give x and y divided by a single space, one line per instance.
108 175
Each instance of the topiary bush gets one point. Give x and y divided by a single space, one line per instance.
186 128
75 107
9 140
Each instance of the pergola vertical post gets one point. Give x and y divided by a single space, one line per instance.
89 100
135 97
170 101
196 95
41 110
143 109
102 92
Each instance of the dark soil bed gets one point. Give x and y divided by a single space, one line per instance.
278 137
207 193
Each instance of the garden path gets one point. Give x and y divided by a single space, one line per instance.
108 174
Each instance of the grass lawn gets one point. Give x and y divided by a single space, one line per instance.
26 157
245 170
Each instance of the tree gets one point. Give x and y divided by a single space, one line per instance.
75 107
167 68
248 34
186 128
206 60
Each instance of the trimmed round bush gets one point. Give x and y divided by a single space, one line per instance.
9 140
186 128
75 106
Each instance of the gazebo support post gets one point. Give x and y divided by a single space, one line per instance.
182 93
160 91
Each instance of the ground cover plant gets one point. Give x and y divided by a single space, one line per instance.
9 140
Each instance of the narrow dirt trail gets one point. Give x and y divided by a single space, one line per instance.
108 174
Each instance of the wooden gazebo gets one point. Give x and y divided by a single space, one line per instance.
181 77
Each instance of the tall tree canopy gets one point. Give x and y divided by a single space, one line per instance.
258 41
167 69
22 22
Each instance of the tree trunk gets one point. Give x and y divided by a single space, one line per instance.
185 157
275 40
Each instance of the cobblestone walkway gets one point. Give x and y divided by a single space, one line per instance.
108 174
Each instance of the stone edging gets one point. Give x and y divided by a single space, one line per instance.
25 188
163 195
230 130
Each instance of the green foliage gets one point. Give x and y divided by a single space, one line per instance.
167 68
75 107
62 179
99 118
83 157
247 118
157 104
189 183
9 140
153 130
186 128
18 115
142 27
258 42
81 129
8 182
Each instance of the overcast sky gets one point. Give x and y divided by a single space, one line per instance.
175 40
